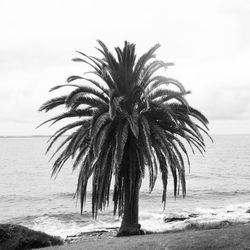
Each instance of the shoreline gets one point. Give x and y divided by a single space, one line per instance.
233 236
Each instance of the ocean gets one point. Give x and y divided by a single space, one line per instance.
218 190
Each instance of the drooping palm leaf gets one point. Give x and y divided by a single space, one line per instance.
126 119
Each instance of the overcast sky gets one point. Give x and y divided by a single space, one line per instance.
209 42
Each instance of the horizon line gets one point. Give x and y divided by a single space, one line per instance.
28 136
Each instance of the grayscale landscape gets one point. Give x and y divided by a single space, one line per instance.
124 125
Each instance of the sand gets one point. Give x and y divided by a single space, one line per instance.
230 237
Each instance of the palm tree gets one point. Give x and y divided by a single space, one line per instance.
126 119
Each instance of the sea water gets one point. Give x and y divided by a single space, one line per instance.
218 190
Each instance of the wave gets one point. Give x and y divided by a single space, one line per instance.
63 224
19 198
212 192
69 224
144 195
35 197
199 218
198 193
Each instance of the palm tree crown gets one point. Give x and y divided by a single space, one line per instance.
127 119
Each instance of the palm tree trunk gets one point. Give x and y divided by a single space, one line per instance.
129 225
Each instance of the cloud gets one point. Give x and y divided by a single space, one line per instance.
230 104
223 103
207 40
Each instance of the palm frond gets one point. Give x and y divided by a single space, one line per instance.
157 81
83 113
53 103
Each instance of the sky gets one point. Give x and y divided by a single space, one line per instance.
209 42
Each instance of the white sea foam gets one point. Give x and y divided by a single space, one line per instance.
54 226
204 218
63 228
200 218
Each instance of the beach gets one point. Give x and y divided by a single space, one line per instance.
235 236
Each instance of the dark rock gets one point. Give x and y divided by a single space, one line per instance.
193 215
17 237
92 235
248 211
175 217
